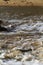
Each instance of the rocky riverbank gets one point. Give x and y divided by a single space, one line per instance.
24 42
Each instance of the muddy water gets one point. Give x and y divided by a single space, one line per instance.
23 44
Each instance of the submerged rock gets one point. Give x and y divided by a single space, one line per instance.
27 58
36 44
13 54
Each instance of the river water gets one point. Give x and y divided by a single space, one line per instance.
23 43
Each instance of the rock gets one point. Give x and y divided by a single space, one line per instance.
39 53
3 29
7 28
36 44
12 54
26 46
18 58
27 58
1 62
2 43
2 55
8 45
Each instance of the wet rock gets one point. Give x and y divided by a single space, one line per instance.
1 62
27 58
7 28
36 44
3 29
26 45
8 45
12 54
39 53
2 42
18 58
2 55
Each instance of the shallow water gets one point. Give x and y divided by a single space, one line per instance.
25 35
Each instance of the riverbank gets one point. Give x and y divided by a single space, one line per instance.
21 2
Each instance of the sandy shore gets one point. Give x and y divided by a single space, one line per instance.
21 3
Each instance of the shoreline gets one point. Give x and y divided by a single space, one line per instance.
25 10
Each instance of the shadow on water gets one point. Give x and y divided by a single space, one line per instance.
19 12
